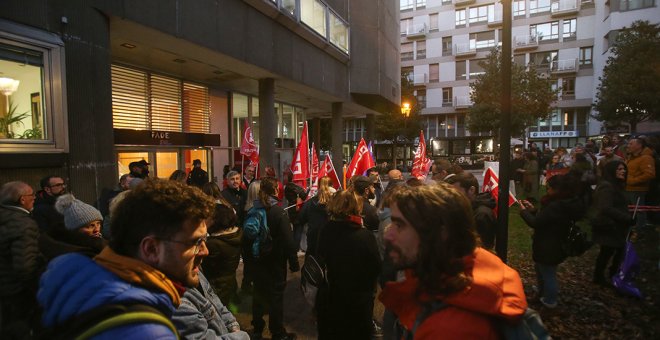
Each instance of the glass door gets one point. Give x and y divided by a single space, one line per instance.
166 163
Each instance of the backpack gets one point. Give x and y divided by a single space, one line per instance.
313 277
255 229
576 242
530 326
103 318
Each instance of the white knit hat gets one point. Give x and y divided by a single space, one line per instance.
76 212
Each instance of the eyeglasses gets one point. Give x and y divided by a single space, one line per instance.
196 243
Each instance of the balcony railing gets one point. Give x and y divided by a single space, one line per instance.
416 31
463 2
564 66
522 42
564 7
462 102
420 78
463 50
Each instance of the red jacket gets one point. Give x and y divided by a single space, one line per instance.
496 291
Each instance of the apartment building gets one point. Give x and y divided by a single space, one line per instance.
442 42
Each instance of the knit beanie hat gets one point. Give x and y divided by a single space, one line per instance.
76 212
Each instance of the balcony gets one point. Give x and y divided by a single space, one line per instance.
462 102
564 66
564 7
463 2
525 42
464 50
416 31
420 79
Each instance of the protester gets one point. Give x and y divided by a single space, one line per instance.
108 195
353 263
440 169
157 246
516 172
179 176
314 213
197 176
139 169
364 187
607 156
482 205
560 207
20 261
270 172
530 173
432 238
248 176
295 195
49 220
235 195
611 222
641 171
270 269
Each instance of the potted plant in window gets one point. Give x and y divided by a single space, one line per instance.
10 118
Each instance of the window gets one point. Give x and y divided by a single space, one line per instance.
542 60
421 98
585 56
629 5
432 127
146 101
31 90
406 5
539 6
446 2
421 49
519 59
461 71
479 14
482 40
446 46
447 96
338 32
461 147
406 25
420 4
475 68
569 31
289 6
568 88
312 13
440 147
519 8
407 51
433 21
460 17
545 32
434 73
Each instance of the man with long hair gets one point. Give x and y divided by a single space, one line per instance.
432 238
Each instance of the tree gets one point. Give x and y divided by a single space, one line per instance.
531 97
395 127
630 86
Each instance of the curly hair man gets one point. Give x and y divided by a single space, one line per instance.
432 237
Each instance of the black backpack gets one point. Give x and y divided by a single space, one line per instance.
530 326
103 318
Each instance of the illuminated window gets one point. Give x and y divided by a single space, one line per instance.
312 13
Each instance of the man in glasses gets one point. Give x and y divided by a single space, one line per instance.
49 220
153 262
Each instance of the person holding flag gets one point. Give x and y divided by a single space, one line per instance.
421 163
361 162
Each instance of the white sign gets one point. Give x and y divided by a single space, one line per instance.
546 134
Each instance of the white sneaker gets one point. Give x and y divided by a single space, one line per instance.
548 305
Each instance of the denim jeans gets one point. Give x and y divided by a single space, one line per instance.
546 275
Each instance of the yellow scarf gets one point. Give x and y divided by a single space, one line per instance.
137 272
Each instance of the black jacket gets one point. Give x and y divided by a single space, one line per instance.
292 192
70 241
316 216
485 219
551 225
220 266
237 199
611 223
48 219
370 216
20 260
198 177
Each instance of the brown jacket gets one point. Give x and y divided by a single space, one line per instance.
641 170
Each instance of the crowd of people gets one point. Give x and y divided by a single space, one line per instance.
159 257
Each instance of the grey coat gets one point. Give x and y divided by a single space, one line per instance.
201 315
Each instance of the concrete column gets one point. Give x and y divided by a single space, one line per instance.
337 128
370 125
267 123
316 132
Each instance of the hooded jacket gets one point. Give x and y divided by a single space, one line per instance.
74 284
496 291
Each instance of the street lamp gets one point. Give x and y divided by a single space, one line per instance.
405 109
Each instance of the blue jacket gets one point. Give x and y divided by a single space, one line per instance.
74 284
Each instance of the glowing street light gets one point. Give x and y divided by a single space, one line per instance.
405 109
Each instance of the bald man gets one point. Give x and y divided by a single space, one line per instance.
394 174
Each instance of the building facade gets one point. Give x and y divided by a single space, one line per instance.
442 42
99 84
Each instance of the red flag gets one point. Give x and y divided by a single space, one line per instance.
300 165
328 169
491 184
248 146
314 174
421 163
361 161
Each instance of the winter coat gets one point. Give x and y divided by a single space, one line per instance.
370 216
237 199
49 220
641 171
280 230
69 241
74 284
353 264
316 216
20 260
292 192
197 177
485 219
496 291
551 225
612 220
201 315
220 266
